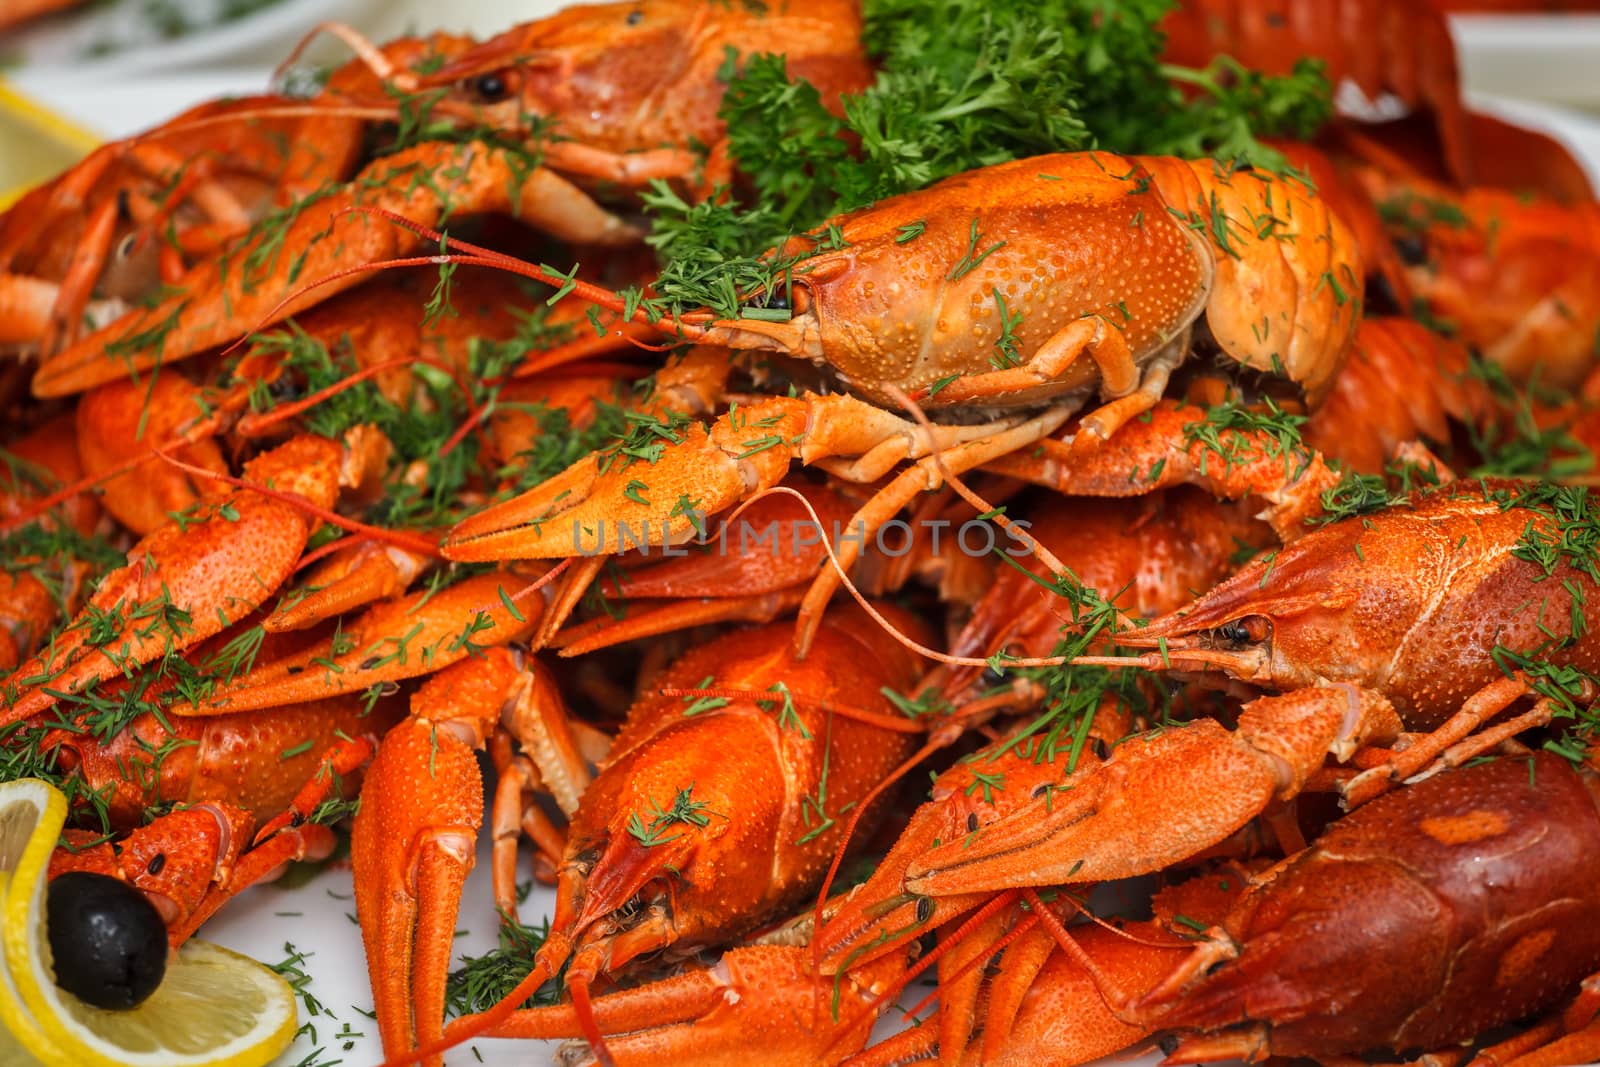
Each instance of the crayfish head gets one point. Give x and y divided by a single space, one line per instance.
530 73
636 879
1286 621
632 77
628 882
590 68
173 861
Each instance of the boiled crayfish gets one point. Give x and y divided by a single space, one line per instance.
1242 546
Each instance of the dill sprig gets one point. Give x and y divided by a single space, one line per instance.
1073 693
1236 435
683 811
1573 536
1359 494
418 428
1520 447
959 86
483 981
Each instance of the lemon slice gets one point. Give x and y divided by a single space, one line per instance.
31 814
213 1007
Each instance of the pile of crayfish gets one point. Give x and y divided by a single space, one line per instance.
1219 531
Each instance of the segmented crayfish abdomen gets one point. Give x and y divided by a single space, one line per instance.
1287 295
1423 919
1401 47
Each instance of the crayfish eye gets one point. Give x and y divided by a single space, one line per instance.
1241 632
634 18
491 88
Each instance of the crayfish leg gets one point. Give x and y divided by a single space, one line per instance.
926 474
1453 742
1091 336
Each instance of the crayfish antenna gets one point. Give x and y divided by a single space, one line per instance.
371 55
488 257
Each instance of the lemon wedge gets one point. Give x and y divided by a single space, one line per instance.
214 1008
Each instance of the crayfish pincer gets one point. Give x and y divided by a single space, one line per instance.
1437 614
714 811
1433 914
194 576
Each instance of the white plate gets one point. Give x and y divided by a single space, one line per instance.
1535 57
75 43
133 106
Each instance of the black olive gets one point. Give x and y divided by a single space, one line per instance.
108 941
490 87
